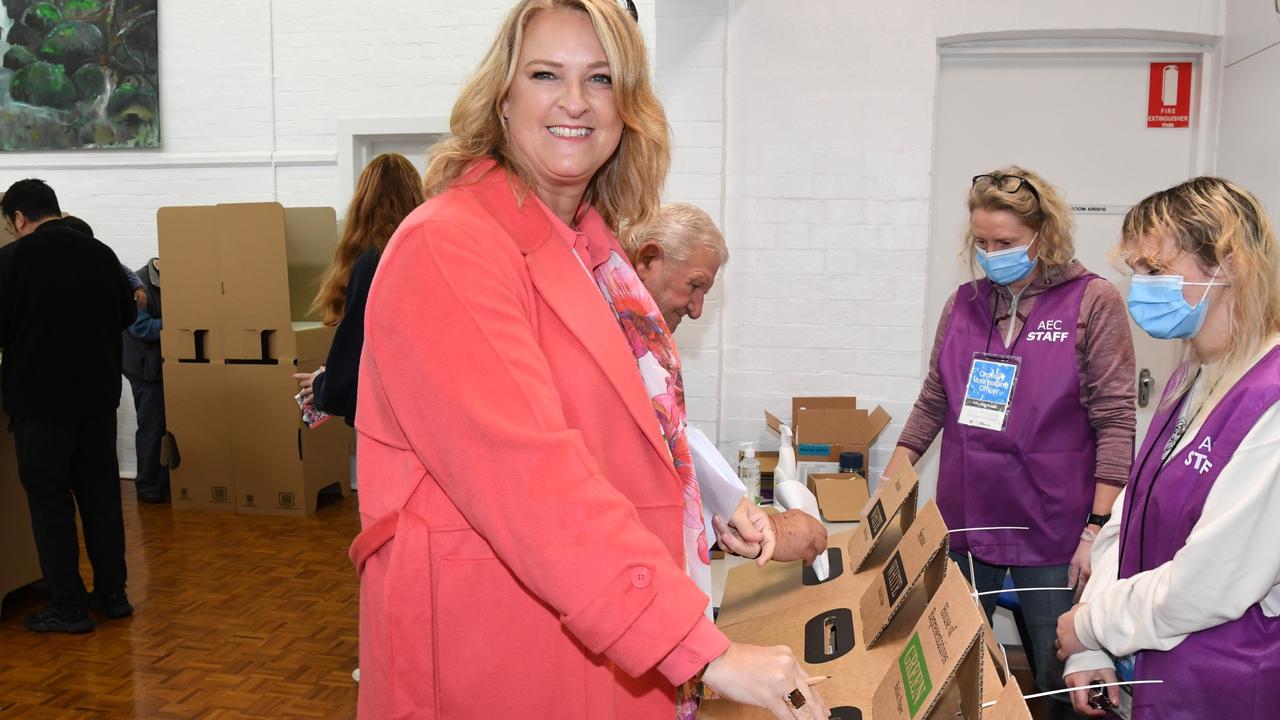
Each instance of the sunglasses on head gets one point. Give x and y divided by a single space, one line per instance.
1008 183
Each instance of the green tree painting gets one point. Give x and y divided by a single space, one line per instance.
79 74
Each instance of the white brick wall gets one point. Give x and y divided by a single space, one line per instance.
690 74
828 154
804 128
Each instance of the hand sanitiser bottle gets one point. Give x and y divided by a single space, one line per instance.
749 471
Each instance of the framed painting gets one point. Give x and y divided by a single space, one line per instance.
79 74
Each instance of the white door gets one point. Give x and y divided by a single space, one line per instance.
1079 121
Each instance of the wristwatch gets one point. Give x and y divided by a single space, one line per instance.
1099 520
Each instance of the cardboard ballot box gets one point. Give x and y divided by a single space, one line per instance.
238 284
894 626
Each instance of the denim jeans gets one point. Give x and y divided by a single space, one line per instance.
1040 609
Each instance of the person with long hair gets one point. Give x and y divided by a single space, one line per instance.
388 190
1031 382
532 529
1186 585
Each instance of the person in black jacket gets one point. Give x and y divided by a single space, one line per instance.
63 303
142 367
389 189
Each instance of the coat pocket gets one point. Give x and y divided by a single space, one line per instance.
501 652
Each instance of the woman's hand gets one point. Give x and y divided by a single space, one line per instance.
305 382
1080 698
1068 642
1081 567
748 533
765 677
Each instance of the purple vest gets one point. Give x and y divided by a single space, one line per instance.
1038 472
1231 670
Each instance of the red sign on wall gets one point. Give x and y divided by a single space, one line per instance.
1169 99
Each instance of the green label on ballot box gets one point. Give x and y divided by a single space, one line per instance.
915 674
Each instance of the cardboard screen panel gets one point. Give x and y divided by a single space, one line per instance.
894 498
255 266
311 237
267 448
918 560
193 289
21 565
198 417
1010 705
947 638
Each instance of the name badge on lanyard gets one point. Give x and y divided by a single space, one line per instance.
1124 671
988 395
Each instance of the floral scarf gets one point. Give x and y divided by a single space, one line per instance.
659 365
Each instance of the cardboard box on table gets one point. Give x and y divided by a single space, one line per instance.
855 626
822 429
238 283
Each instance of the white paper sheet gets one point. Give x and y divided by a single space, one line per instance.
718 482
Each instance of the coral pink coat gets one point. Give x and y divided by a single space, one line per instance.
522 552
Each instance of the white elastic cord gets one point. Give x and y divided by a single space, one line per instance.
1017 590
1082 687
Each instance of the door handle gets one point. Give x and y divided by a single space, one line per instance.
1146 382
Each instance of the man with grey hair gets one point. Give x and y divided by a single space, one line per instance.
677 257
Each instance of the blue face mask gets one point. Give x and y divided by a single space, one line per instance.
1006 267
1158 306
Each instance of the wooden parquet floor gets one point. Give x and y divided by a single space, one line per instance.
235 617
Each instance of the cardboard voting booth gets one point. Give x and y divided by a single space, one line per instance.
239 280
895 626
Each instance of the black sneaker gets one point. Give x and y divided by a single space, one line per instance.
114 606
53 620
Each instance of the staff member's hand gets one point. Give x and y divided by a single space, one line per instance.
305 383
1081 567
1068 642
767 677
140 298
1080 698
748 533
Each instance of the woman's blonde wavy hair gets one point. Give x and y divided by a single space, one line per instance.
1050 216
1222 225
627 189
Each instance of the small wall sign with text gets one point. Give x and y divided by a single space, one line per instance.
1169 95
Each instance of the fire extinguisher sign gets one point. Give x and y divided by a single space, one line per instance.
1169 98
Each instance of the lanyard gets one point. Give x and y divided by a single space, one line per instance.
995 305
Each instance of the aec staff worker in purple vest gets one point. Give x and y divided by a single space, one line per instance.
1032 379
1188 569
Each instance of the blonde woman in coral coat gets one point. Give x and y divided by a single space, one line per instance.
532 529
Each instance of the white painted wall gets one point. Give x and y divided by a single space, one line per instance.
1249 145
805 127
